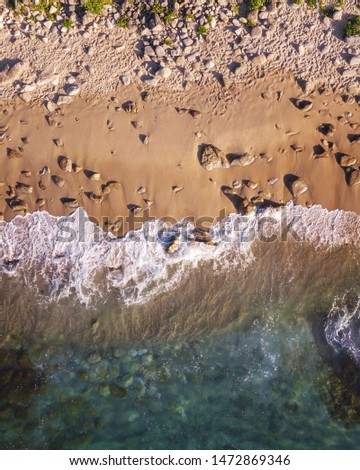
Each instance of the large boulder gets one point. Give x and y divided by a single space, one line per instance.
212 158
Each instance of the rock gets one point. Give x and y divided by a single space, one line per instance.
40 202
18 205
97 199
256 32
354 178
65 164
63 99
174 247
44 170
297 148
327 21
93 358
164 72
348 73
117 391
48 80
70 202
347 161
104 390
355 139
142 190
251 184
259 60
212 158
244 159
301 49
127 380
320 152
298 187
10 72
209 64
59 143
152 81
93 175
109 186
337 15
194 113
327 129
177 189
355 61
303 105
76 168
130 107
23 188
51 106
12 153
160 51
26 96
125 79
58 181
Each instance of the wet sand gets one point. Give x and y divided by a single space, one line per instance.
154 153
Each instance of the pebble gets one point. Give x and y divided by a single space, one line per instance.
164 72
259 60
160 51
337 16
354 61
63 99
126 80
26 97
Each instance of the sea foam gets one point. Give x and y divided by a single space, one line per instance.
71 256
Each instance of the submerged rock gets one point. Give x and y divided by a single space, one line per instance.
93 358
117 391
212 158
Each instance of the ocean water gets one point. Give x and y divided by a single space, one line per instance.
250 342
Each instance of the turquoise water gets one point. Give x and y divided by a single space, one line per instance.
265 385
221 354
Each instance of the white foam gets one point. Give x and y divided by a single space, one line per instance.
342 330
37 248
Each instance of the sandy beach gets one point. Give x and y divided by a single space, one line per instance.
244 112
246 101
153 153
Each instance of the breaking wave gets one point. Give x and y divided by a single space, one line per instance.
342 328
63 256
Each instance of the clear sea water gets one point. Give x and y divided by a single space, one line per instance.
262 354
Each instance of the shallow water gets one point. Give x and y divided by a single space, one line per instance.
251 347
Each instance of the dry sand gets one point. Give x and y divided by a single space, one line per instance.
236 120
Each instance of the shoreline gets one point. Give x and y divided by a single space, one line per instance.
203 154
